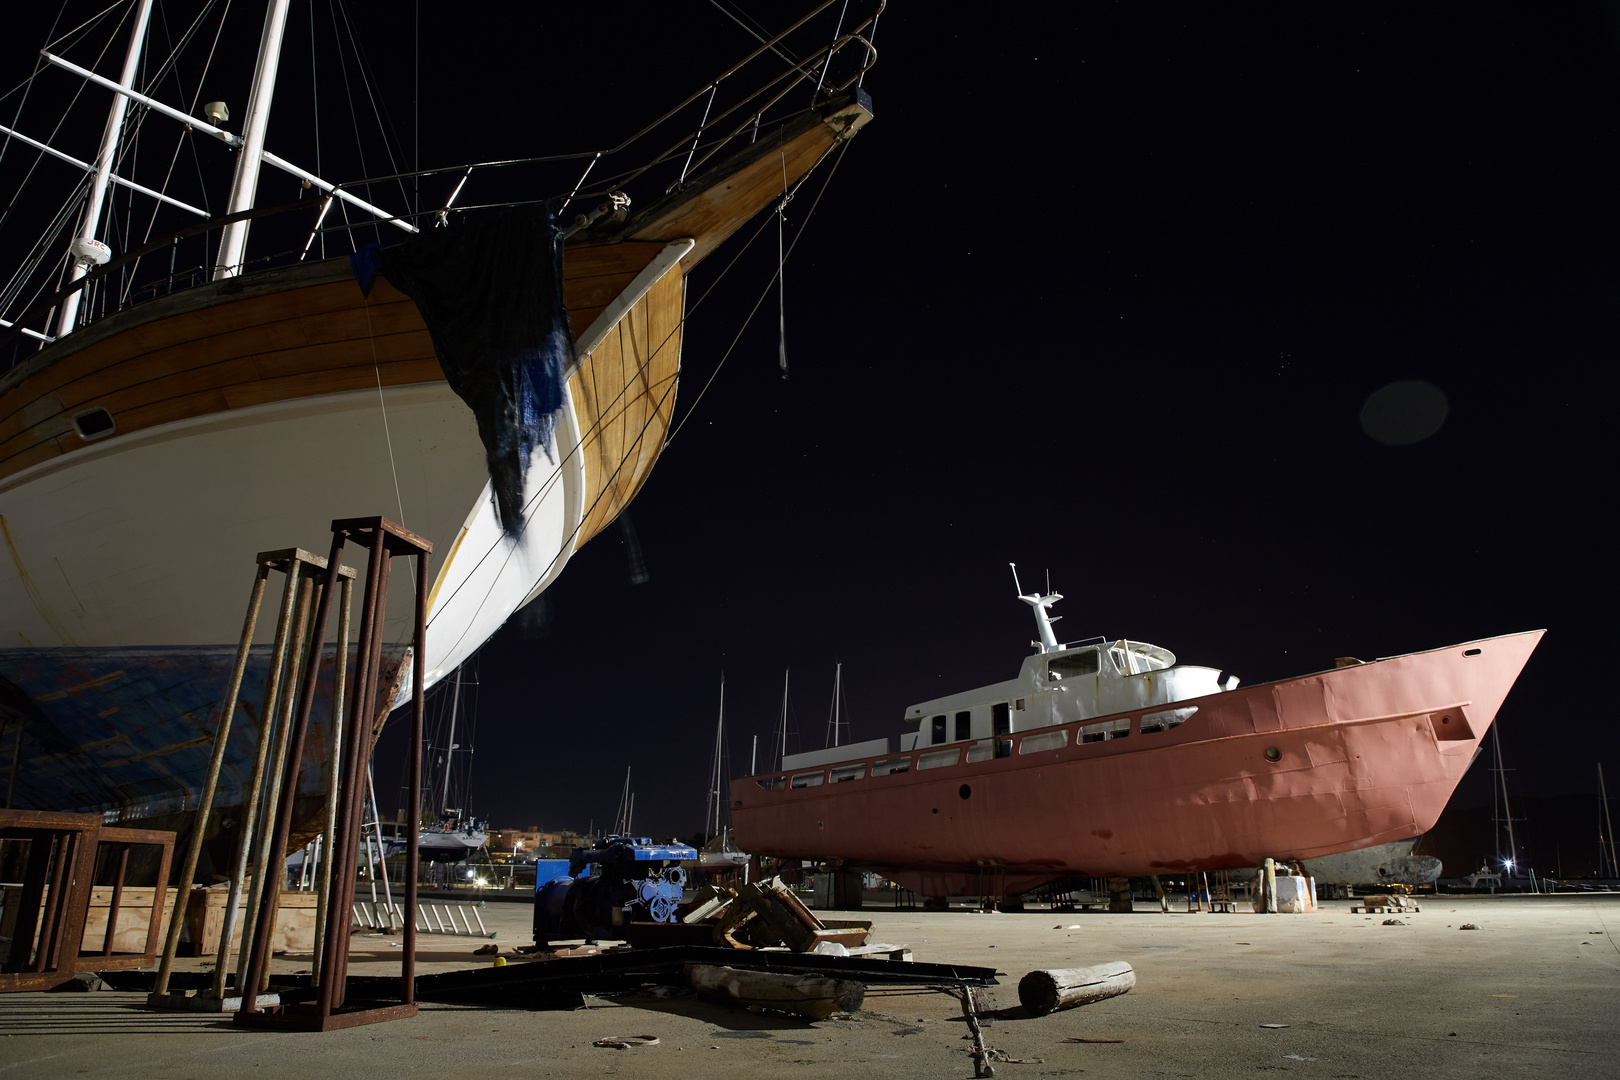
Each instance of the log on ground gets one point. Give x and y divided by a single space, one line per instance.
1042 992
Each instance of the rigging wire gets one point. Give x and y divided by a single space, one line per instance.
732 347
656 412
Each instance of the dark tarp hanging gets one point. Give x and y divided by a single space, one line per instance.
491 295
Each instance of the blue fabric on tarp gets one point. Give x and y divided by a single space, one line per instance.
364 264
490 292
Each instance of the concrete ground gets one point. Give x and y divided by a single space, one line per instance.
1532 992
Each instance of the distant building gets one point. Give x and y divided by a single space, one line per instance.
537 842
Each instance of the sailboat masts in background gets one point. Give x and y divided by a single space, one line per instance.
711 815
837 719
1603 793
450 742
781 735
1507 811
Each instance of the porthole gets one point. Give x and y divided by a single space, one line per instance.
92 424
964 791
1273 754
1472 652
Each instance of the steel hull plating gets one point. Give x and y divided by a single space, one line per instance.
1363 755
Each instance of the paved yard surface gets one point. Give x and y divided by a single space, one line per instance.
1533 992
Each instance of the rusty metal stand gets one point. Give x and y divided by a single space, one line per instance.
298 565
386 541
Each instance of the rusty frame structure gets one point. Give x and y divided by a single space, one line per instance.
47 944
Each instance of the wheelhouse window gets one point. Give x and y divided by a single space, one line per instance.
937 732
1138 657
964 726
1000 718
1075 664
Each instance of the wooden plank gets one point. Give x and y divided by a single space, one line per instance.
596 259
595 291
629 391
148 338
580 319
176 365
358 352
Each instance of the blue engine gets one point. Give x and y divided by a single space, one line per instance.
622 879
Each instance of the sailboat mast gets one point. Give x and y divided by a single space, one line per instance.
91 222
781 739
1614 863
1507 811
245 184
450 743
714 773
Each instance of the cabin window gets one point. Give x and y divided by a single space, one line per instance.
983 750
891 765
1043 740
937 734
1019 704
1108 729
1000 718
1073 665
964 726
773 783
938 759
848 772
808 779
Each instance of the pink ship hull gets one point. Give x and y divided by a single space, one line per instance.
1365 755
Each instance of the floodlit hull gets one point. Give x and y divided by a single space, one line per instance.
1363 755
249 413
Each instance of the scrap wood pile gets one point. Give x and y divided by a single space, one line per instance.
767 914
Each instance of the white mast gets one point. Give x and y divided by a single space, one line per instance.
837 719
450 743
714 773
91 222
1043 621
781 762
257 119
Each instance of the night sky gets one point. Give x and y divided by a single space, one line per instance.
1104 290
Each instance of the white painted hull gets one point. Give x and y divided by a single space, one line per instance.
149 538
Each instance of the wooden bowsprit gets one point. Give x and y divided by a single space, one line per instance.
386 540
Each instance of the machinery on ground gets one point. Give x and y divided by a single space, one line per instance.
622 879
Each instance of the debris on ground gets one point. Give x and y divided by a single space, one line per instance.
807 994
1394 922
625 1042
1469 926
